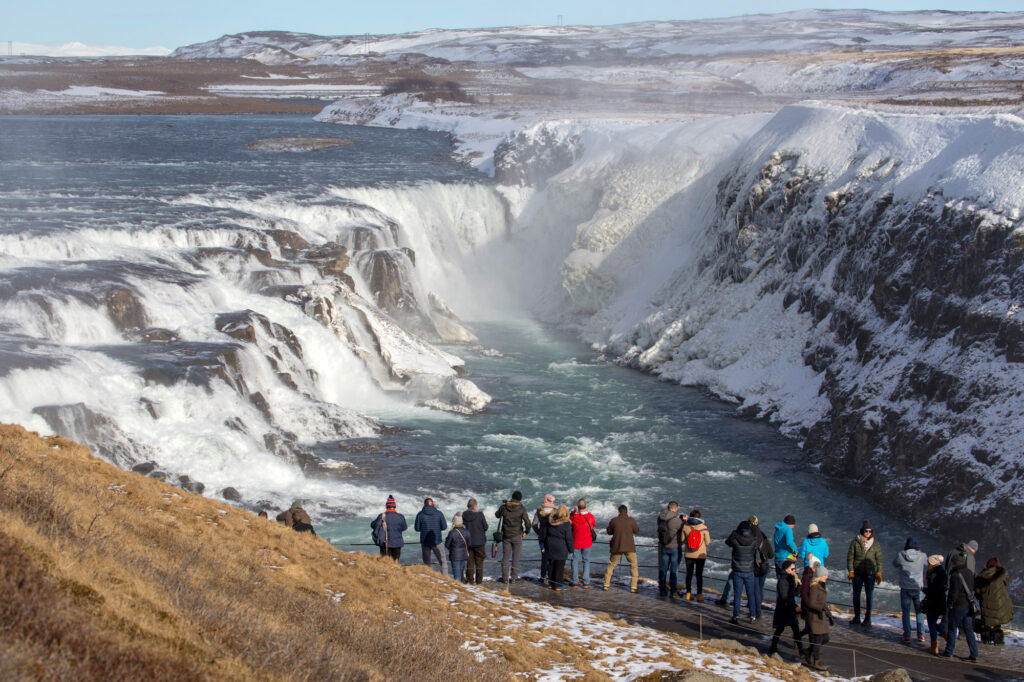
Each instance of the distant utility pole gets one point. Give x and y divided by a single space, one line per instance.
560 20
366 43
10 48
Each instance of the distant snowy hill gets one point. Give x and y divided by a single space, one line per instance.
76 49
790 33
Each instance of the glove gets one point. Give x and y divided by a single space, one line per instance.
851 575
878 577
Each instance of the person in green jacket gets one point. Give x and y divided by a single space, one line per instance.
991 587
515 525
864 564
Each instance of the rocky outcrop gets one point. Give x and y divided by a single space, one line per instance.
125 309
532 156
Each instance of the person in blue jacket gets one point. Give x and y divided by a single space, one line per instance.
387 530
814 544
785 544
430 522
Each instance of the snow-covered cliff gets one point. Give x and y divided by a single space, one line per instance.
852 275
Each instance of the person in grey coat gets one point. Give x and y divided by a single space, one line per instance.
457 544
911 565
430 523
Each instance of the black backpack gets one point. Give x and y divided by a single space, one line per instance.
664 534
762 556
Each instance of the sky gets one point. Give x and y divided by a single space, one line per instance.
140 25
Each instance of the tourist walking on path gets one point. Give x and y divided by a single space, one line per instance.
786 608
742 542
558 541
763 554
540 517
457 544
515 525
911 566
961 607
296 518
583 536
430 523
476 524
864 566
992 588
814 544
696 539
387 530
819 620
623 530
669 528
934 603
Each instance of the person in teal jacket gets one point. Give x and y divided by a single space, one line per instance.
785 543
814 544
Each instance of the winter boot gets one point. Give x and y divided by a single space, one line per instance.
774 647
934 648
818 665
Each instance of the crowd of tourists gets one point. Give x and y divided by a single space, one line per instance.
946 592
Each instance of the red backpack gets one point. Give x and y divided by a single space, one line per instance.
694 540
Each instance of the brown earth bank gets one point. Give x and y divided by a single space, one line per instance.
108 574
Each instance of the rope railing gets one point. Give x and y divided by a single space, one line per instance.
841 581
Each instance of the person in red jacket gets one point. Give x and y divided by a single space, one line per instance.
582 540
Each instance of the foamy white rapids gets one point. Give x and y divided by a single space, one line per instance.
226 353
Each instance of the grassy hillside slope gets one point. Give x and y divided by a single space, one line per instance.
106 574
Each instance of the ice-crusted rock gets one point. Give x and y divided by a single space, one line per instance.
448 393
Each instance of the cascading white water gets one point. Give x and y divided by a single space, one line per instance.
211 328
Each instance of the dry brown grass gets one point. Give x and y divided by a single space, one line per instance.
110 575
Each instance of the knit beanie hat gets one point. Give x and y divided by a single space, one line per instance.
296 504
973 545
865 525
390 505
517 496
549 500
935 560
752 519
993 561
790 520
911 543
813 528
811 560
457 519
820 572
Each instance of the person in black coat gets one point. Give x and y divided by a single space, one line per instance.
785 607
476 524
557 538
959 600
742 541
934 603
